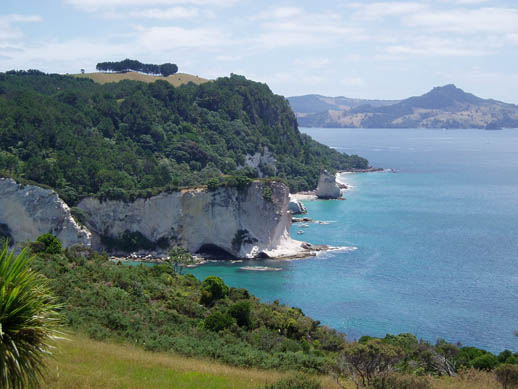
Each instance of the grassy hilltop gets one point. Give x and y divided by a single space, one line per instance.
174 79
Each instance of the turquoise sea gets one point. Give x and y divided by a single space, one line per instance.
436 241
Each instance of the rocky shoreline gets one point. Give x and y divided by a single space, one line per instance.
305 250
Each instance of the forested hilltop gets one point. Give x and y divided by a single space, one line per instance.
130 138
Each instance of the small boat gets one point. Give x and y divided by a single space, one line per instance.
304 225
300 232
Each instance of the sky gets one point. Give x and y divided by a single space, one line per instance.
359 48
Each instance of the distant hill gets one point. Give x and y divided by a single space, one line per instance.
310 104
442 107
174 79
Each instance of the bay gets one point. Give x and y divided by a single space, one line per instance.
436 242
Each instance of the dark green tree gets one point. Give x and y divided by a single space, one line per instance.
212 289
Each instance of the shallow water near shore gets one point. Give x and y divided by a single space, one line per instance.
437 241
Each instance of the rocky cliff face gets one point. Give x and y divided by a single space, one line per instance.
327 186
240 222
28 211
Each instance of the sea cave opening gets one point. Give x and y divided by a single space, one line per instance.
210 250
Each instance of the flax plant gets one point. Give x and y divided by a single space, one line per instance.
29 321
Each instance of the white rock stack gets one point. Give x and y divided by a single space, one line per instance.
327 186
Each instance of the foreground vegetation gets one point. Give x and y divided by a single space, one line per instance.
29 321
118 139
156 309
83 363
159 310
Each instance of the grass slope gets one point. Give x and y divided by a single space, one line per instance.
174 79
84 363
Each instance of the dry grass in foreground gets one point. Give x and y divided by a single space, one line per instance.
84 363
174 79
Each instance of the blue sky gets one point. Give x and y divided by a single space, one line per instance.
359 48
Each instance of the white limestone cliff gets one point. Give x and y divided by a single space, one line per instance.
28 211
241 222
259 161
327 186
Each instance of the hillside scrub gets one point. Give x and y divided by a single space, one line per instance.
160 310
133 139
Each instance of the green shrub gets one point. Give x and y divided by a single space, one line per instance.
242 313
507 375
51 244
467 355
267 193
507 356
485 362
218 321
236 294
79 215
296 382
213 184
212 288
129 241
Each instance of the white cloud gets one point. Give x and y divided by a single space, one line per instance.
352 81
279 13
468 1
10 33
312 63
305 29
96 5
15 18
172 37
482 20
380 10
229 58
433 46
155 13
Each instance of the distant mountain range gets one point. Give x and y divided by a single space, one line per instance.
443 107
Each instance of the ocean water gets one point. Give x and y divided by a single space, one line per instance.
433 247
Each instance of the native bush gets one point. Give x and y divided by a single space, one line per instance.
242 313
212 288
51 244
507 375
218 321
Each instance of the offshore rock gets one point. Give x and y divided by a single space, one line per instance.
296 207
327 186
28 211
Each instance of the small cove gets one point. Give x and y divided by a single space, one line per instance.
437 242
